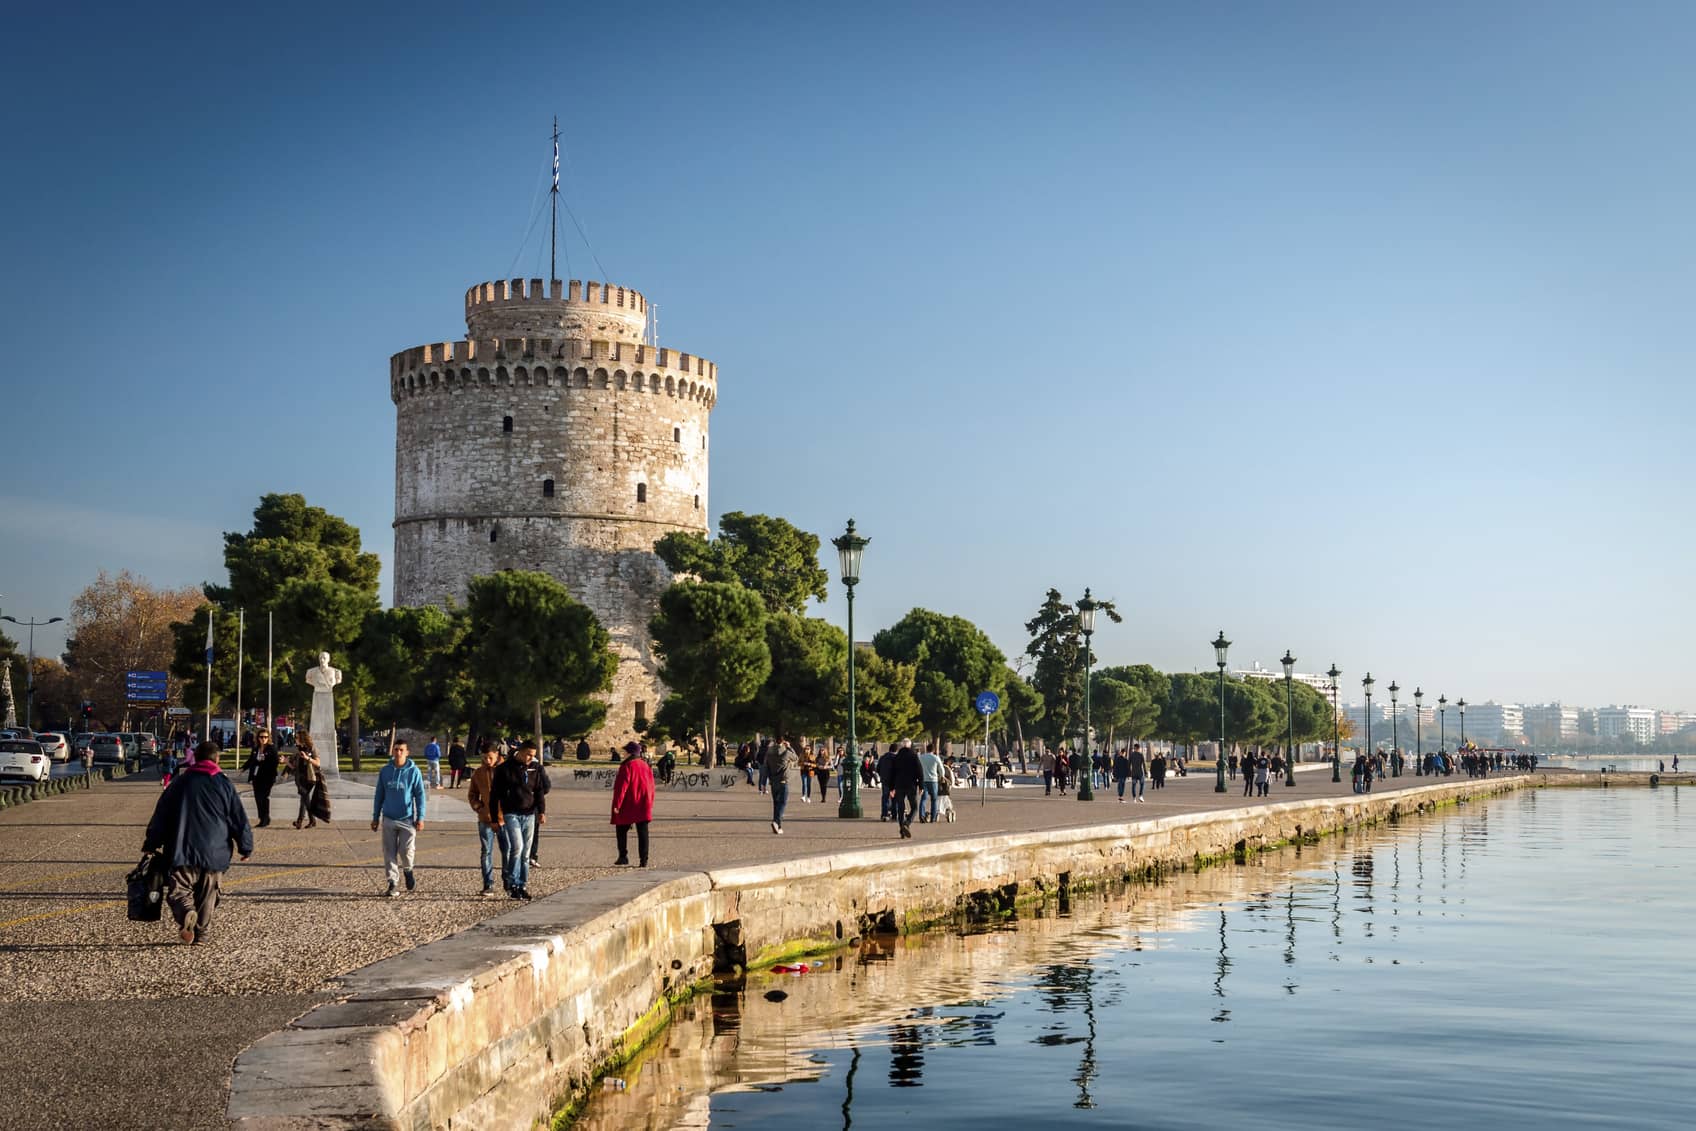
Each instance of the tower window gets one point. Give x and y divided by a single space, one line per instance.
641 714
494 533
641 492
506 424
547 488
677 435
697 502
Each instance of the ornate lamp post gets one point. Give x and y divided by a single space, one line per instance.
1086 623
1220 647
1367 683
1461 703
1443 725
1336 728
29 676
849 547
1289 663
1395 735
1418 733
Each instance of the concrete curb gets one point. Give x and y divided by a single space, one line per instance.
11 795
506 1021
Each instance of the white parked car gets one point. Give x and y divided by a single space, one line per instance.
54 745
24 758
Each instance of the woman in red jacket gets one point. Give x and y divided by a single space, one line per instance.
633 802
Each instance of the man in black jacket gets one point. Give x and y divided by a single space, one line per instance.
905 773
196 822
523 805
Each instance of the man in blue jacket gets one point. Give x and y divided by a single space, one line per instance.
197 820
398 809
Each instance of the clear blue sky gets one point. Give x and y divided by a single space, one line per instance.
1359 330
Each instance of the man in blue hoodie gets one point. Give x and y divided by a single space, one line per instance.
197 821
398 809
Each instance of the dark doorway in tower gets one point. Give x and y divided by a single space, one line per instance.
641 492
547 488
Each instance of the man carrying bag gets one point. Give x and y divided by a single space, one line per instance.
201 818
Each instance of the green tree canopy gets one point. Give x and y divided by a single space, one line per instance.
532 646
1057 646
769 556
710 637
1152 686
807 690
413 663
1021 707
1113 704
884 707
954 660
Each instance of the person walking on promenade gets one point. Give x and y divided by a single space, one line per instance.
1122 772
199 819
1157 770
905 774
480 794
262 772
632 803
433 759
1262 774
544 786
824 765
1047 772
760 763
930 777
457 762
779 762
307 776
1248 775
886 791
1231 767
804 763
523 806
397 808
1138 767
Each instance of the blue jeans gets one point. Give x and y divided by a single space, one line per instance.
1122 782
779 798
927 792
490 837
806 783
1136 786
520 835
886 804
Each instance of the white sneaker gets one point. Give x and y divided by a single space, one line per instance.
777 828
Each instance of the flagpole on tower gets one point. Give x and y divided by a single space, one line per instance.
553 228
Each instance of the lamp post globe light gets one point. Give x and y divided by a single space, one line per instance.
1086 624
1418 733
1289 663
849 547
1220 647
1336 728
29 675
1395 735
1461 703
1443 725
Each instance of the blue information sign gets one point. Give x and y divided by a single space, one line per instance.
145 687
987 703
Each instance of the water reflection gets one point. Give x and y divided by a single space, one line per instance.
1153 974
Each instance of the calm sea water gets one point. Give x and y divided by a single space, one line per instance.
1522 962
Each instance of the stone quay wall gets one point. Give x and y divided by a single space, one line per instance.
553 439
504 1023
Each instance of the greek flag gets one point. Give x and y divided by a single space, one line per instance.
208 637
556 164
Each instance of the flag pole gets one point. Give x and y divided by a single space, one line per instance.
268 640
211 613
241 635
553 228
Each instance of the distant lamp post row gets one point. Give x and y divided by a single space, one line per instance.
1395 735
1289 663
1418 733
849 547
29 675
1336 728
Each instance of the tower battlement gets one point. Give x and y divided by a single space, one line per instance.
471 351
507 306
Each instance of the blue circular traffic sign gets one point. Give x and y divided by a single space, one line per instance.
987 702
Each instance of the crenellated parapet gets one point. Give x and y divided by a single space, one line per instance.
565 362
562 308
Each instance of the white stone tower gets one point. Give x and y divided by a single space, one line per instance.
552 438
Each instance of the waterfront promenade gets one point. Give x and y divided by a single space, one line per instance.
120 1011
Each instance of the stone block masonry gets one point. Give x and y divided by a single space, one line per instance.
553 438
499 1025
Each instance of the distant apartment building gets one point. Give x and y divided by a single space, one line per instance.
1550 722
1495 722
1637 723
1319 683
1672 722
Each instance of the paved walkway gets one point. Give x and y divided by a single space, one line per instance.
120 1012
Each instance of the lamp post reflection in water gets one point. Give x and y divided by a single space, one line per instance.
848 1099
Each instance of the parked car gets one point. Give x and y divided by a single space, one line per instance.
24 758
146 745
80 741
55 745
108 748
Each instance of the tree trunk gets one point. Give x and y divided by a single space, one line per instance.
352 727
539 755
712 735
